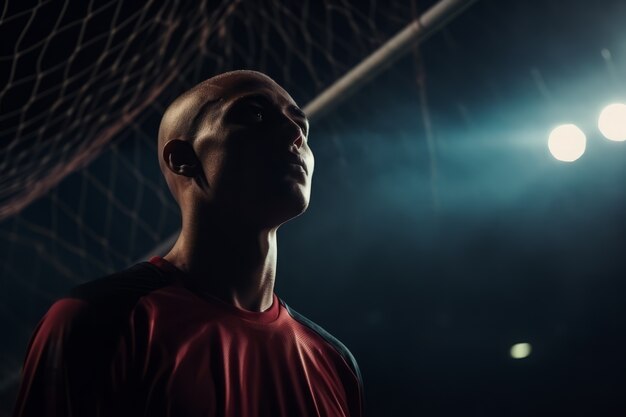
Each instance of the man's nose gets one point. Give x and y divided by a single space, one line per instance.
299 140
293 132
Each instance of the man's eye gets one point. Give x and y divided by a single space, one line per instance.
254 113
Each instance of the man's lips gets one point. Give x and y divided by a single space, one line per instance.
296 159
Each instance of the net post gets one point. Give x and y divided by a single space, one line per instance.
414 33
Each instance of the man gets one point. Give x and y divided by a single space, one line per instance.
200 331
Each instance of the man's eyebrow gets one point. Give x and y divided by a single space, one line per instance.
298 112
295 110
264 98
252 97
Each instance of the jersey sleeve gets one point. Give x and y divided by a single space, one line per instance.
354 386
68 365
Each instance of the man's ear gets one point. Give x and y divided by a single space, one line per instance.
180 158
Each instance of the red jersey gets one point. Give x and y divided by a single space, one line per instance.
139 343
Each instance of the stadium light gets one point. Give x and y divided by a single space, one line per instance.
567 143
612 122
521 350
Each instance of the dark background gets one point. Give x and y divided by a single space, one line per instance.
441 231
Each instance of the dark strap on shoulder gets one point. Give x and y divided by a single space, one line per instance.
340 347
130 283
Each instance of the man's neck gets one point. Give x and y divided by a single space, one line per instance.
232 263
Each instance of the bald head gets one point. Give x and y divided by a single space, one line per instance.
193 113
208 127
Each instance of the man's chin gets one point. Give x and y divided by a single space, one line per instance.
286 208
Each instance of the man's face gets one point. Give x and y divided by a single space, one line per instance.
255 152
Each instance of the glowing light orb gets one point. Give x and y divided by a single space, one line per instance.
567 143
612 122
521 350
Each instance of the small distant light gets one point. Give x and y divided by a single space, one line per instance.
612 122
520 350
567 143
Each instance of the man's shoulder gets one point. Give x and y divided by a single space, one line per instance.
72 352
104 302
329 338
127 284
95 312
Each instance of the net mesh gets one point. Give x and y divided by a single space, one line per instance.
84 87
75 76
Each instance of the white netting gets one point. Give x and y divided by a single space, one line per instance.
75 74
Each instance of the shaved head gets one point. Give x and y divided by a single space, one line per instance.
223 123
190 113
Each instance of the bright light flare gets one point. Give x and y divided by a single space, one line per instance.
521 350
567 143
612 122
